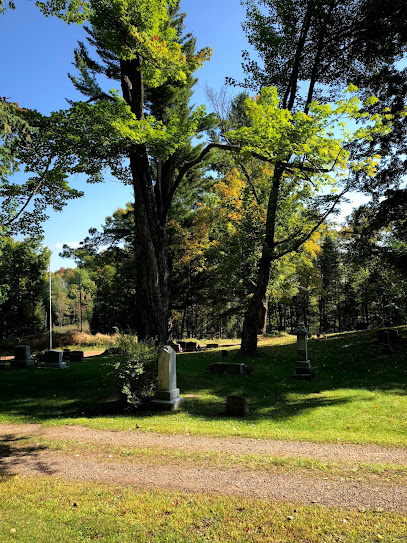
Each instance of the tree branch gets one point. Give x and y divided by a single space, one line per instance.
314 229
102 96
34 192
188 165
249 181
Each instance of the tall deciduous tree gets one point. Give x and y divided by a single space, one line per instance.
309 49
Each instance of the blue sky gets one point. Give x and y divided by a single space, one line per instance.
35 57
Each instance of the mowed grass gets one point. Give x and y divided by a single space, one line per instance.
34 510
358 395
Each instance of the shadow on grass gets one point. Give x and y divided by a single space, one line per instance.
349 362
14 452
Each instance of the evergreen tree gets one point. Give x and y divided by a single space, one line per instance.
151 126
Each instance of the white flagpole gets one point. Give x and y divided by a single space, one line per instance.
50 307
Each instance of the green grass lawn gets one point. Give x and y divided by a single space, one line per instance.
358 395
34 510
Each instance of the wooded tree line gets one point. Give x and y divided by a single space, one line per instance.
200 248
341 279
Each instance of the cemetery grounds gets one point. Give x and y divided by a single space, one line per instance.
314 461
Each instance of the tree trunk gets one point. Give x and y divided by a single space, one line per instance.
249 333
152 254
262 322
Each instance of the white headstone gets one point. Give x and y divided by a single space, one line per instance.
167 395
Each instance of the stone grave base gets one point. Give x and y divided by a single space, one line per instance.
167 400
304 376
303 371
54 365
228 368
168 405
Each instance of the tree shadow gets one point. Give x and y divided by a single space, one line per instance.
14 452
91 390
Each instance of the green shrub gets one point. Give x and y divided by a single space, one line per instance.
137 368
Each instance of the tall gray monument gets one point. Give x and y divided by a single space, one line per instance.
167 395
303 368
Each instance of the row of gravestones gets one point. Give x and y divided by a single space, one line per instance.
47 359
190 346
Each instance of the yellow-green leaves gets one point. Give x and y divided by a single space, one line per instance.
70 11
109 127
316 142
161 139
140 28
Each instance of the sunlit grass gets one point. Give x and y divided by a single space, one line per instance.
357 396
35 510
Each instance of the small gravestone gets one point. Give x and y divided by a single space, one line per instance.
76 356
22 357
225 368
176 346
386 343
236 406
66 355
191 346
167 396
53 359
303 368
387 335
224 353
182 344
212 345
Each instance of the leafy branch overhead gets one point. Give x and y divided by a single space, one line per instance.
25 145
315 144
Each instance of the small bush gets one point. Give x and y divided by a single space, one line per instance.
137 368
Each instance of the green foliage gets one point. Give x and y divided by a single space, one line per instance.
70 11
26 143
4 5
316 142
22 271
142 29
111 271
137 368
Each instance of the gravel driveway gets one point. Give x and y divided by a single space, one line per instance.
191 477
